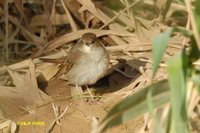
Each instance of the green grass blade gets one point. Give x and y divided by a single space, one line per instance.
157 124
136 104
177 70
197 15
159 46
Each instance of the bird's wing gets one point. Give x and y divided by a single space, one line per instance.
67 64
56 61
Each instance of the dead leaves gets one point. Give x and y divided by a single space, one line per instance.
25 94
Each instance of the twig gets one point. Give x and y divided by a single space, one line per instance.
117 15
57 112
53 123
123 73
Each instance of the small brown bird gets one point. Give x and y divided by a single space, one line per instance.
86 63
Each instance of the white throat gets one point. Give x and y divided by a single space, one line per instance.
87 48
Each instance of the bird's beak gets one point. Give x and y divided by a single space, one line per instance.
89 44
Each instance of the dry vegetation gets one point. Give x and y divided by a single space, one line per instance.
30 29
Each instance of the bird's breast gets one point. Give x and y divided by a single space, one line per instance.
89 69
86 49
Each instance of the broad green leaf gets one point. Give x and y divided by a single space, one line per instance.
157 125
159 46
197 14
136 105
183 31
177 70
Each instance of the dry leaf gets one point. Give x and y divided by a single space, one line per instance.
8 127
24 95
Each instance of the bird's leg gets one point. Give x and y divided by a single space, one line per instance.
77 88
89 92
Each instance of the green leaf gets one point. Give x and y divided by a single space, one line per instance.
197 15
136 105
177 70
157 125
159 46
184 31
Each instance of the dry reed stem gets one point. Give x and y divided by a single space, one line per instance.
193 22
69 17
7 34
118 14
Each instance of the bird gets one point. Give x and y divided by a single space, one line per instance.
87 62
